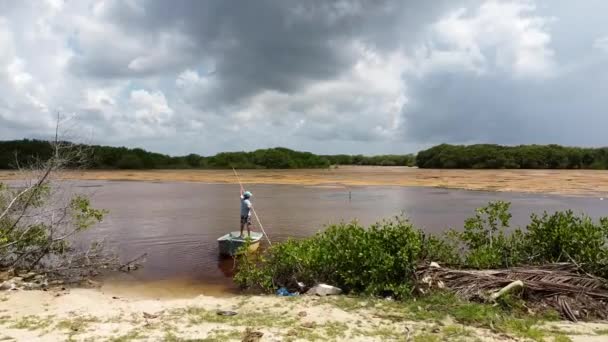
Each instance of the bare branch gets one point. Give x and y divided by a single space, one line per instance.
45 203
14 201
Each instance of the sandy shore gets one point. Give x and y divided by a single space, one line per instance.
92 315
563 182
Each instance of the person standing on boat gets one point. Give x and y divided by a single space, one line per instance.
246 208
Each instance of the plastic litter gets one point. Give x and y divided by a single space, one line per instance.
285 292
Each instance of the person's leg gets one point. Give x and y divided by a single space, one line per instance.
249 226
242 226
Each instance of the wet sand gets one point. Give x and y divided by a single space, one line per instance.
562 182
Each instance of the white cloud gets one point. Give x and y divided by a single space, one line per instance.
151 108
187 79
502 34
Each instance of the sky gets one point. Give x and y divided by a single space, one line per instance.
343 76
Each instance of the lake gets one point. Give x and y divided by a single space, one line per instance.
177 224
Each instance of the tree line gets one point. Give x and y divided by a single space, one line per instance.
481 156
25 152
488 156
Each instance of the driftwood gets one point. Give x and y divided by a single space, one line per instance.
133 264
518 284
561 286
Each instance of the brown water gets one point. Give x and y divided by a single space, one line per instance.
177 224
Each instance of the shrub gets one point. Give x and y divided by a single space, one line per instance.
564 237
381 259
374 261
484 242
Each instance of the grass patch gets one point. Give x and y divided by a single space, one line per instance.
384 333
522 327
508 319
561 338
328 331
347 304
4 319
219 335
224 335
427 337
131 335
601 331
77 324
456 333
302 333
32 323
334 329
197 315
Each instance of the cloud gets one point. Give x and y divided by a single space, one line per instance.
351 76
492 75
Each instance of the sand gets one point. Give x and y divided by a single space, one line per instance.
562 182
93 315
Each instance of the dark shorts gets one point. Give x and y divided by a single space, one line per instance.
246 219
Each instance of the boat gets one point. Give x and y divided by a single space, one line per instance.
231 242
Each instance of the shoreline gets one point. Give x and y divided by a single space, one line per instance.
84 314
576 183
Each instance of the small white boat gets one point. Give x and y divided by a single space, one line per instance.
231 242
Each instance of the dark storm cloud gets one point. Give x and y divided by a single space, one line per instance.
327 76
256 45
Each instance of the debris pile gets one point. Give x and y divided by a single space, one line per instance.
561 286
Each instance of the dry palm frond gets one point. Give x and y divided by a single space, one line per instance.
557 285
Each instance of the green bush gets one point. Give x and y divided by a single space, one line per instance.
484 242
564 237
381 259
559 237
377 260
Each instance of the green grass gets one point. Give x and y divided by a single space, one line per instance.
427 337
197 315
131 335
523 328
302 333
225 335
77 324
562 338
384 333
601 331
334 329
219 335
32 323
455 331
508 318
347 304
